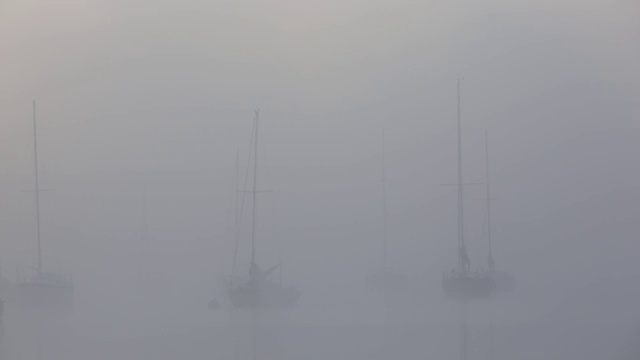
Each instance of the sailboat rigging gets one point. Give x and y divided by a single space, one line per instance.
461 282
257 290
42 288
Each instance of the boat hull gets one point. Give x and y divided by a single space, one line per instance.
468 286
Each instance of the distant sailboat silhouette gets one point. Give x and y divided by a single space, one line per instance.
257 290
40 288
461 282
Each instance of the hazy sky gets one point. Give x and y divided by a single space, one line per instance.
160 95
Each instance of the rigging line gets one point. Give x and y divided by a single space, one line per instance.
243 202
37 188
489 226
254 196
384 203
228 220
244 195
461 234
483 230
274 214
236 206
143 231
387 327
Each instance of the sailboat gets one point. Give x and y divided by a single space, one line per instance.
461 282
386 279
257 289
502 280
39 288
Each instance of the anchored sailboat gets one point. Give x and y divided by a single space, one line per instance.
461 282
257 290
386 279
39 288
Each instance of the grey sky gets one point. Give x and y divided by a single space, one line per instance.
135 94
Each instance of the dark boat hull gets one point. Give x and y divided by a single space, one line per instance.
468 286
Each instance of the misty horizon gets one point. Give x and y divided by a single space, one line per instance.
142 108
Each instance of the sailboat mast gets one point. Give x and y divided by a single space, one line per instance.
236 230
490 258
143 232
237 196
255 193
384 203
37 187
461 246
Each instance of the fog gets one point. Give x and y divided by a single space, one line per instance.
142 107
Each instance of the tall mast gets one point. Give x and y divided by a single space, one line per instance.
143 232
255 192
384 204
490 258
37 188
237 195
236 230
462 263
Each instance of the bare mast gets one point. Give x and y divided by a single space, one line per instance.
463 259
254 266
37 187
384 204
236 231
255 194
143 233
490 260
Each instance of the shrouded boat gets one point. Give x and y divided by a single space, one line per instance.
38 288
461 283
258 289
468 286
